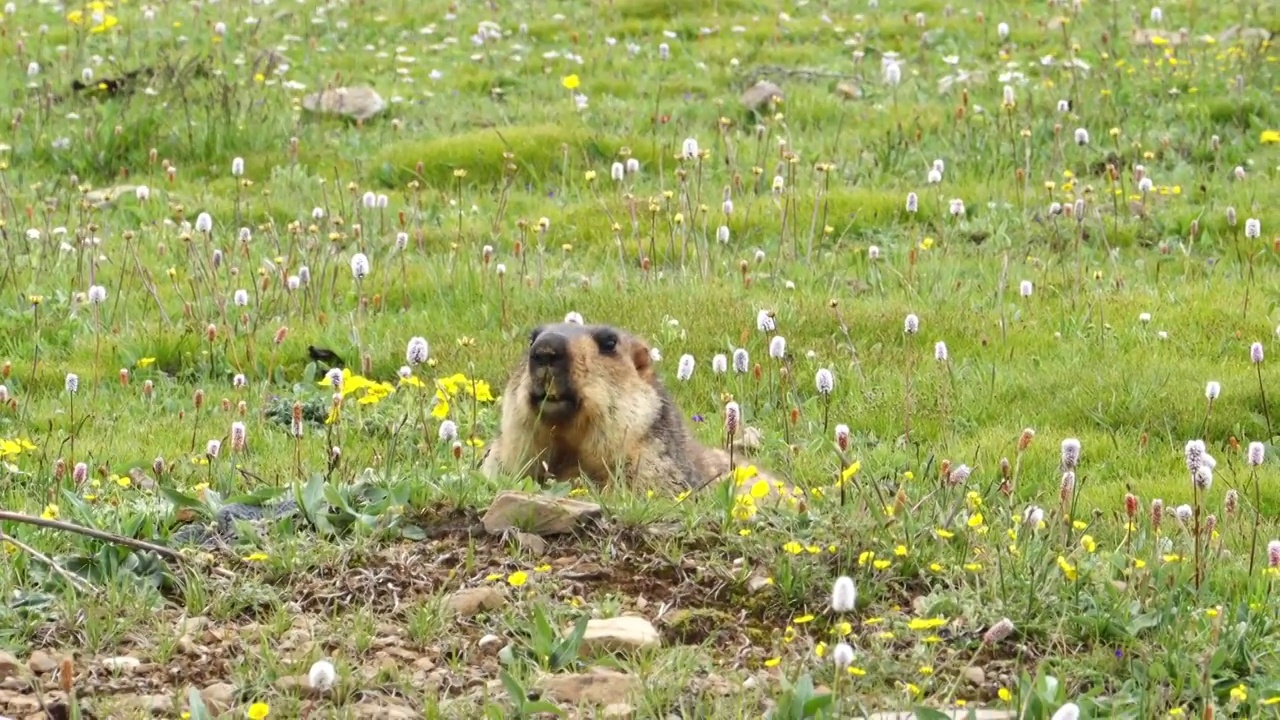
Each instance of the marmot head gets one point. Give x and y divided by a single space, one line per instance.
577 370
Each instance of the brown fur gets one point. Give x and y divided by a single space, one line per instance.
620 424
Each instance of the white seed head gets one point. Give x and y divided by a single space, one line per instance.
778 347
359 266
842 655
322 675
684 368
825 381
416 351
1212 390
1257 452
844 595
719 363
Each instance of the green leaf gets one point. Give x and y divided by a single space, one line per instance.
182 501
817 704
197 707
924 713
514 689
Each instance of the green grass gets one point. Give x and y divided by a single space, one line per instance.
1146 623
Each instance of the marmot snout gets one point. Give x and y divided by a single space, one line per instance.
584 400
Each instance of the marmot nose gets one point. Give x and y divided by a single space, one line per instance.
548 349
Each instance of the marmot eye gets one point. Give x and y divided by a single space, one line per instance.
607 342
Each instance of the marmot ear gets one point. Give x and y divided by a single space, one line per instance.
640 357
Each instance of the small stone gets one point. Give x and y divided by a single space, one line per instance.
42 662
155 704
537 514
975 675
756 583
489 641
619 634
470 601
219 697
532 543
124 665
9 666
600 686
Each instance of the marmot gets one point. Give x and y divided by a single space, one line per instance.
584 400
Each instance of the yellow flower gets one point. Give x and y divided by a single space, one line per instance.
926 623
772 662
545 567
820 649
1270 137
50 512
759 489
900 551
146 362
1088 544
1079 524
880 564
847 474
570 82
865 557
440 410
1067 568
108 22
856 671
517 578
803 619
926 670
975 520
259 710
793 548
255 557
744 508
1005 695
1239 693
843 628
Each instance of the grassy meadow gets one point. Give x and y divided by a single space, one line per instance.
1030 242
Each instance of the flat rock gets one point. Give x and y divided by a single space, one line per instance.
219 697
757 97
42 662
619 634
9 666
154 704
537 514
599 686
470 601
